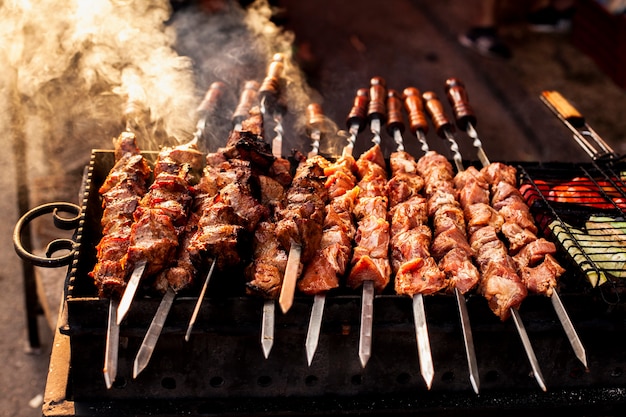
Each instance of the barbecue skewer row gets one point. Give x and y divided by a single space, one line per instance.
416 272
454 256
500 283
330 261
370 267
242 112
121 191
534 256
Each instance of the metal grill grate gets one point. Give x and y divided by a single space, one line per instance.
582 207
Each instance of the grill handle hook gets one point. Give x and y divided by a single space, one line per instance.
60 222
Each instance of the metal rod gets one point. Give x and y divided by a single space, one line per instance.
315 324
267 327
130 291
196 309
154 331
367 317
423 341
112 345
468 340
530 353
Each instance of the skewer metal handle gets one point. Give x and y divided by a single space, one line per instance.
459 100
358 112
415 110
377 105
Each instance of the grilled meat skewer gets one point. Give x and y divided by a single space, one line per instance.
499 283
534 256
370 266
121 191
331 260
416 272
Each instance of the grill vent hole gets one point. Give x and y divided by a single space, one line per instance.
168 383
310 381
216 381
264 381
403 379
492 376
448 376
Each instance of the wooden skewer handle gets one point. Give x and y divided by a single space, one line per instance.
395 121
270 87
358 113
459 100
563 107
247 99
377 105
314 117
415 110
437 114
212 97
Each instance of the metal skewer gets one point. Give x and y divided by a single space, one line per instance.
419 126
466 119
376 114
395 127
205 110
444 129
111 351
268 95
248 97
356 121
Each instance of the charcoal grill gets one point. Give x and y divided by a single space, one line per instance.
222 370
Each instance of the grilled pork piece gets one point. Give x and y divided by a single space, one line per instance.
416 271
500 284
121 191
370 260
161 217
450 246
225 213
533 257
331 260
301 220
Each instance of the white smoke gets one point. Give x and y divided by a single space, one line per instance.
71 69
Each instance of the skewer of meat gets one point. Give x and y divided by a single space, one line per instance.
206 191
454 258
499 284
121 191
299 223
534 257
369 266
171 197
331 259
416 272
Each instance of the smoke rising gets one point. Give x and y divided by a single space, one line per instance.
78 71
